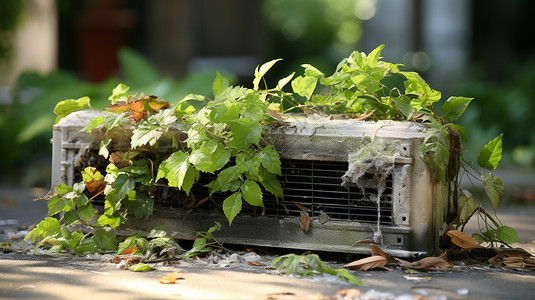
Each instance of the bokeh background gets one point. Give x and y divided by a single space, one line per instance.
51 50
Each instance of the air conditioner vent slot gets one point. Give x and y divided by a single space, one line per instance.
316 185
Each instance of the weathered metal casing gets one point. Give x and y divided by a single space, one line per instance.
410 225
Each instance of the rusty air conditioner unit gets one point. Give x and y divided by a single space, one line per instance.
359 180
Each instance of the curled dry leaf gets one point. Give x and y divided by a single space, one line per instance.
378 251
301 207
514 261
425 264
462 239
171 278
372 262
305 222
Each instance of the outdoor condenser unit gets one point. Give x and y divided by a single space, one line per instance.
358 181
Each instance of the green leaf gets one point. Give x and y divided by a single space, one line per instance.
120 92
374 56
467 206
490 156
404 104
220 84
70 217
344 274
107 220
206 160
224 112
47 227
227 180
63 189
94 123
123 185
65 107
284 81
249 163
105 239
232 206
145 134
259 73
86 213
56 205
245 132
494 189
311 71
417 86
141 267
271 160
304 86
454 107
174 169
271 183
252 193
507 235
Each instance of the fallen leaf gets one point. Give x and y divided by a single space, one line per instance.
305 222
348 293
378 251
131 261
425 264
273 296
254 263
364 264
171 278
303 208
141 267
462 239
513 260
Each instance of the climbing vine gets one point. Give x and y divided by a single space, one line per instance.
172 145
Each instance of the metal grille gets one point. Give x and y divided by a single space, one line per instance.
315 185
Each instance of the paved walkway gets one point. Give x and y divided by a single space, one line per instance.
27 276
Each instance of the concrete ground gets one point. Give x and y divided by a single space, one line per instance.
31 276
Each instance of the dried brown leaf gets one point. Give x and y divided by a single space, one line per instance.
305 222
348 293
378 251
513 260
301 207
430 263
462 239
372 262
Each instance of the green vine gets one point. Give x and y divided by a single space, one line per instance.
171 146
